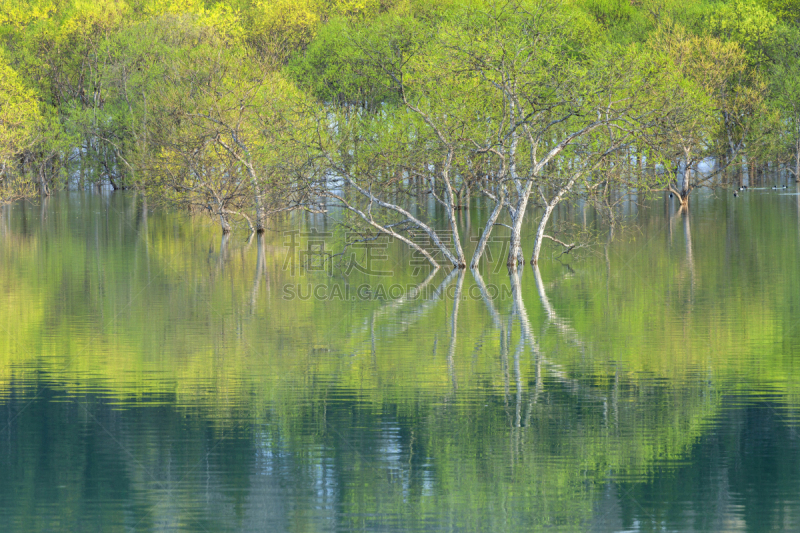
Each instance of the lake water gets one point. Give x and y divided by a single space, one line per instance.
155 378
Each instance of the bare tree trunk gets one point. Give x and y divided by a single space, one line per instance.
223 218
682 188
487 231
448 204
44 190
259 202
687 173
537 246
367 217
548 210
223 221
515 256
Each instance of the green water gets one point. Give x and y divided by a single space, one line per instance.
153 378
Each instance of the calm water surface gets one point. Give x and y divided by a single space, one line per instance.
156 378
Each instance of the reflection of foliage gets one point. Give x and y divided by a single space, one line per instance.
132 304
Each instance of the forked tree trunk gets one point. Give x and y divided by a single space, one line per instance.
487 231
451 215
515 256
514 248
548 210
682 188
456 261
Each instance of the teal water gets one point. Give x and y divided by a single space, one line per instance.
156 378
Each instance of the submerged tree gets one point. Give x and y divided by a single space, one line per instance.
214 131
389 156
557 106
421 107
716 102
522 112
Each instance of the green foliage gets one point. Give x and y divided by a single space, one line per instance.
16 15
233 109
344 64
785 93
207 124
786 10
747 23
20 121
101 72
621 20
279 28
19 114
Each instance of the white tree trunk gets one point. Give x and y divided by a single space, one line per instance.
487 231
515 256
537 246
411 218
459 262
548 210
223 217
367 217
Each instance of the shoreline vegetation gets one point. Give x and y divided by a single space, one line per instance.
396 114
